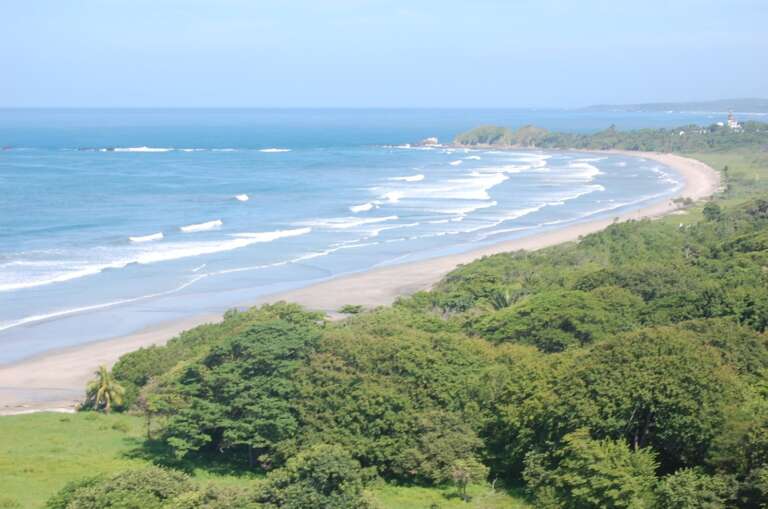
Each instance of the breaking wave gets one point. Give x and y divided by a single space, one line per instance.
147 238
202 227
365 207
409 178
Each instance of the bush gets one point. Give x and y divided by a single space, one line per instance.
592 473
351 309
692 489
148 488
321 477
554 321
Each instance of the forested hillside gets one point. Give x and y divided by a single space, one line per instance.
690 138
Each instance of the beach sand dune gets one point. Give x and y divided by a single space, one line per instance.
56 380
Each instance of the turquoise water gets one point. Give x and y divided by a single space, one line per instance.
115 220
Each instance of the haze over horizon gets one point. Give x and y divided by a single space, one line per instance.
349 53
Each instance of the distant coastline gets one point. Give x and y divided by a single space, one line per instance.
747 105
55 380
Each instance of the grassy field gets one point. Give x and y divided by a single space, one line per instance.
39 453
747 175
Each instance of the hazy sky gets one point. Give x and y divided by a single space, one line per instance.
488 53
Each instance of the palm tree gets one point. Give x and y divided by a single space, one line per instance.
103 391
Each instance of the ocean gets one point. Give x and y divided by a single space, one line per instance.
112 221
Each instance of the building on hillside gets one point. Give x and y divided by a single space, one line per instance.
733 123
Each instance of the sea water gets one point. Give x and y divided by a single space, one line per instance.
115 220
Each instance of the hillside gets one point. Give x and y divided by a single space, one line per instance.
746 105
683 139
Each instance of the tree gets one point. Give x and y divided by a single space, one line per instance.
147 488
440 440
239 399
465 472
658 387
585 473
320 477
712 211
552 321
692 489
103 391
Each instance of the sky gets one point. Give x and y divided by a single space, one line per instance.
371 53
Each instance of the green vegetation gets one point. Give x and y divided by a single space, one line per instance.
47 451
103 391
351 309
628 370
690 138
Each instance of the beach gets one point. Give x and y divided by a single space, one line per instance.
56 379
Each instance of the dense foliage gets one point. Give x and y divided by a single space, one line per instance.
150 488
322 477
690 138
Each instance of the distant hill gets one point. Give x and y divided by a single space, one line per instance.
688 138
744 105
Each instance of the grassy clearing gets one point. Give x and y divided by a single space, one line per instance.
40 453
747 173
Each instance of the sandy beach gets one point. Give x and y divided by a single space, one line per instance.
56 380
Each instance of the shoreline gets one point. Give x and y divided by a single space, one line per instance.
55 380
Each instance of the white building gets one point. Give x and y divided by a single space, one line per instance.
732 122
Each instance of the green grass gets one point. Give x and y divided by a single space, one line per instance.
747 173
40 453
747 179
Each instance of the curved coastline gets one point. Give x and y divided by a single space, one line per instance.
55 380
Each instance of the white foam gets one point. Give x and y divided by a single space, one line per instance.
463 211
343 223
66 272
274 150
147 238
145 254
505 230
270 236
509 216
242 197
138 149
586 171
473 158
94 307
375 232
664 176
362 208
408 146
393 196
409 178
326 252
456 162
202 227
475 187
